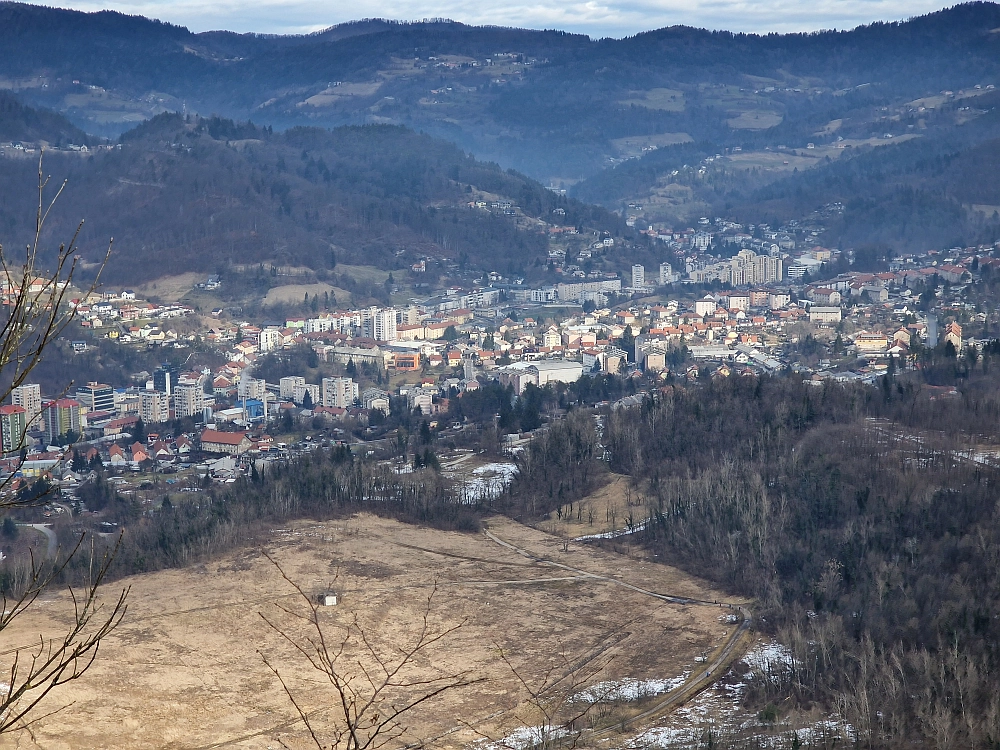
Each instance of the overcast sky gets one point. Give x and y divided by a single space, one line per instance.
598 18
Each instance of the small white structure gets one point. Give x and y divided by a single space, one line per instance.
328 599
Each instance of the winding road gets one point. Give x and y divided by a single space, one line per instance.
706 675
50 535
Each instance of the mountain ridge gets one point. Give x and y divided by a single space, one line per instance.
553 105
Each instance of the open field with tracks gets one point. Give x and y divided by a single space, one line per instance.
185 668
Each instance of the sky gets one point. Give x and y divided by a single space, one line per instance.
598 18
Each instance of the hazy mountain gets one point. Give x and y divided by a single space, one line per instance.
553 105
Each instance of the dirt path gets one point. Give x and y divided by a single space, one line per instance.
714 669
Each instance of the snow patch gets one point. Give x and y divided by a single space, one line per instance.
628 689
522 739
488 482
613 534
769 659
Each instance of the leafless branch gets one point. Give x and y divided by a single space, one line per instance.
374 686
35 313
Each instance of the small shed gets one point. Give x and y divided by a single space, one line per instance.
328 599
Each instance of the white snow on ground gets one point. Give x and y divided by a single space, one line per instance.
665 737
612 534
720 708
488 481
628 689
521 739
769 658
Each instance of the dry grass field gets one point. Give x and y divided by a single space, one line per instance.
670 100
293 293
185 671
634 145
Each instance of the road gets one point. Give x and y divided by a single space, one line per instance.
50 535
713 669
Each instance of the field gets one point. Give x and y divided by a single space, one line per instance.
340 92
670 100
294 293
171 288
636 144
185 669
755 120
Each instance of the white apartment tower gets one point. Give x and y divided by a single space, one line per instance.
384 325
189 400
638 276
154 407
268 339
666 274
29 398
339 392
287 386
250 387
748 268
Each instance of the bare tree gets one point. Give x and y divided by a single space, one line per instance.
373 686
35 313
39 669
557 706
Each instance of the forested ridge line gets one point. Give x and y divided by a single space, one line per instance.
871 553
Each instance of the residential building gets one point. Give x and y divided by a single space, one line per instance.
339 392
189 400
748 268
269 339
739 301
667 275
824 296
287 386
13 426
953 334
778 300
29 397
231 443
871 343
818 314
705 306
250 387
299 396
379 324
60 417
154 407
638 276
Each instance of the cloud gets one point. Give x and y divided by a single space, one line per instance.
598 18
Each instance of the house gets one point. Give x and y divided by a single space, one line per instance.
139 453
118 426
117 456
230 443
183 445
953 334
161 451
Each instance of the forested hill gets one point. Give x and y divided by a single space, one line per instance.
20 123
184 193
935 187
551 104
